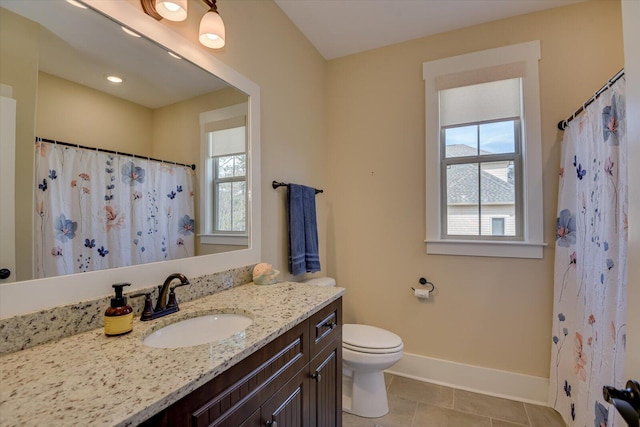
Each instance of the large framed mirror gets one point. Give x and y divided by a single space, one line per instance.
55 58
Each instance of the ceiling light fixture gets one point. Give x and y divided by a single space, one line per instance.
173 10
115 79
130 32
76 4
212 31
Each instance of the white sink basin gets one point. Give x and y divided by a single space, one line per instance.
198 330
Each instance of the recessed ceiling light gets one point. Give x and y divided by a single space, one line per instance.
174 55
76 4
115 79
130 32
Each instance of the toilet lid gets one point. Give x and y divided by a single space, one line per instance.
369 339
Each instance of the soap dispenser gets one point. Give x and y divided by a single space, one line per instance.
118 319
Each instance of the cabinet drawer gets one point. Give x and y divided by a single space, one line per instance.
325 326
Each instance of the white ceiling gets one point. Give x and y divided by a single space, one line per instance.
344 27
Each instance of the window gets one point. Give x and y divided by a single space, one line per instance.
224 210
483 174
481 158
497 226
227 155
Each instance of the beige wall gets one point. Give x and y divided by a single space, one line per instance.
19 69
265 46
489 312
77 114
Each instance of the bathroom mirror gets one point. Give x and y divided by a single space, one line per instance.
166 87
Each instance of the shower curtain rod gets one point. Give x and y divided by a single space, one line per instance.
84 147
562 125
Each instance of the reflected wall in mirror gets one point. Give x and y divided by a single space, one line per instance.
54 60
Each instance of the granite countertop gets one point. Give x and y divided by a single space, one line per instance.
91 379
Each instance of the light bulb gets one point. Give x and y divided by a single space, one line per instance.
173 10
171 7
115 79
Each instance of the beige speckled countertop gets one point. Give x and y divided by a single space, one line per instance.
93 380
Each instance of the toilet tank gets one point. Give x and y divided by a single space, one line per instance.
321 281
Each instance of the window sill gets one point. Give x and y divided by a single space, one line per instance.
486 248
224 239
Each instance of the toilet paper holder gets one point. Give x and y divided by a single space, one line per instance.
425 282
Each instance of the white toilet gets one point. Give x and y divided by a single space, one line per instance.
366 352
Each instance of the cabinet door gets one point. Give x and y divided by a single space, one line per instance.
289 407
326 387
253 420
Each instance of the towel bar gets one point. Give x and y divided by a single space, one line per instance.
276 184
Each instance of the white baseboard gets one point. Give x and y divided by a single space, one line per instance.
493 382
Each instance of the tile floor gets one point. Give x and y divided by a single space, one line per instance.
418 404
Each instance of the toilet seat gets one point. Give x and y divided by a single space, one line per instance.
370 340
373 350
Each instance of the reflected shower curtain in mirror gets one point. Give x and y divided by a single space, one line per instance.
96 210
589 330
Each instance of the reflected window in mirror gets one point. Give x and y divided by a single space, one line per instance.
224 205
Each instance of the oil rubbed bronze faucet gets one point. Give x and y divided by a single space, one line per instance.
165 304
162 303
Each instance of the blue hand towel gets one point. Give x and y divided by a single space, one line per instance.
303 230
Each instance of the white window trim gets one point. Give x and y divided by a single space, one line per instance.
233 239
224 239
532 244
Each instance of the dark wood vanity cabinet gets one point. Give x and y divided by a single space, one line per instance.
294 381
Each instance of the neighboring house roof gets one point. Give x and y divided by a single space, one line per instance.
462 183
461 150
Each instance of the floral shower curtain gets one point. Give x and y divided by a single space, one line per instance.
96 210
589 329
